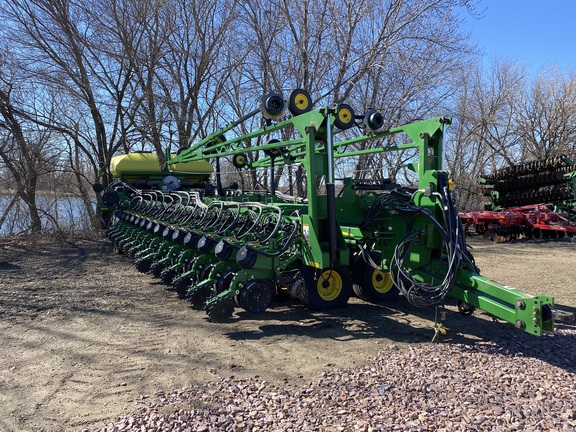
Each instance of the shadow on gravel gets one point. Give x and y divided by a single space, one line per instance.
6 266
402 323
397 321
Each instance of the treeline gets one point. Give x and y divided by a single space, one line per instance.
83 81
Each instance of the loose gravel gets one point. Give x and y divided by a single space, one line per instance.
514 382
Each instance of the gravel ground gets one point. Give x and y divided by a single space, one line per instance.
91 344
511 383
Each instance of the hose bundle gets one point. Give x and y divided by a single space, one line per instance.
419 293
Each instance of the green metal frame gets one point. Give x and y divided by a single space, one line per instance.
331 227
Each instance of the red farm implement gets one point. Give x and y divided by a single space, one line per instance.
534 221
535 199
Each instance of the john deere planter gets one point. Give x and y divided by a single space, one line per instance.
226 248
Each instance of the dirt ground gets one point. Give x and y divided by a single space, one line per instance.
86 338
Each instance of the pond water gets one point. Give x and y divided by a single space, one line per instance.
57 214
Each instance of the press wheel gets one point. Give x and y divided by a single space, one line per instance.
256 295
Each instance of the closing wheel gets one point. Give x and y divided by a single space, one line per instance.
221 311
299 102
157 268
143 265
199 296
168 275
239 161
181 286
371 284
326 289
344 117
256 295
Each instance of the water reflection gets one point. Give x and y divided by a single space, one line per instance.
57 214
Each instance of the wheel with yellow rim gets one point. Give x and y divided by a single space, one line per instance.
328 288
373 284
273 152
213 143
299 102
344 117
239 161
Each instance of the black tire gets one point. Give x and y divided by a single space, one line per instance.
239 161
372 284
345 117
299 102
329 288
480 228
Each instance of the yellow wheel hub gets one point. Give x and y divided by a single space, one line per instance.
329 285
301 102
344 115
382 281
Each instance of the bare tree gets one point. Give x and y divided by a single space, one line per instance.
25 148
484 134
546 118
66 51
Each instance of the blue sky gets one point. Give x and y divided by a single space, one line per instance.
536 33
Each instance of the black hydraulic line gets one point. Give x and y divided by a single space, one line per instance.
243 119
272 181
283 249
331 195
218 178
